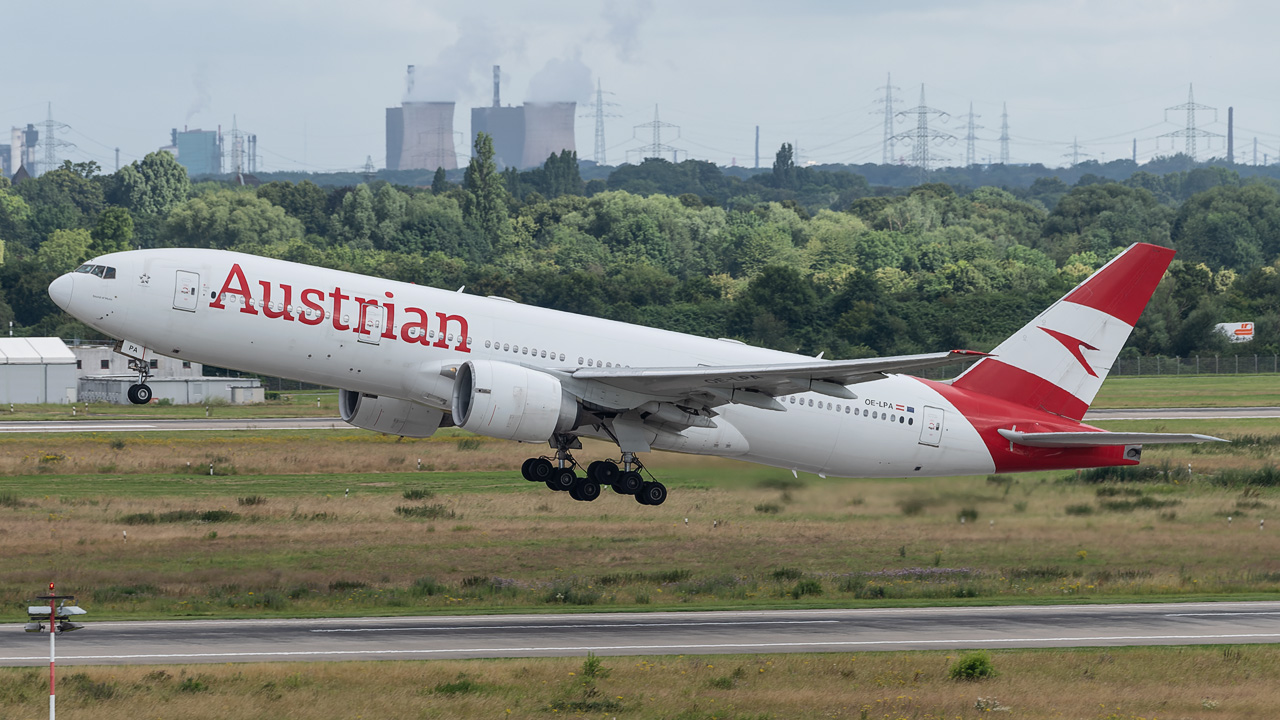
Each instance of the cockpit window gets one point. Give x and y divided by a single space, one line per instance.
102 271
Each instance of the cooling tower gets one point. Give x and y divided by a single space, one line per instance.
506 126
427 140
548 128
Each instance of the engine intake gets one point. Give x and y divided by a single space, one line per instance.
389 415
511 402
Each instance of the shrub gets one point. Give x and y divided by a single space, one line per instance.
462 686
808 586
972 667
9 500
1262 477
418 494
769 508
593 668
1145 502
192 685
967 514
250 500
1082 509
571 594
84 687
428 512
117 444
783 484
469 443
164 402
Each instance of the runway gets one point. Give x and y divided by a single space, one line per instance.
162 425
314 423
784 631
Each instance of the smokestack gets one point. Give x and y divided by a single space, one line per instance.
408 83
497 74
1231 135
757 147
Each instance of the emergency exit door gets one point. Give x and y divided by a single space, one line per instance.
186 291
931 426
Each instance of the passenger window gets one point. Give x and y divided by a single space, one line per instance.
524 351
901 418
846 409
911 421
579 360
562 357
486 343
810 402
468 342
875 415
505 347
544 353
793 399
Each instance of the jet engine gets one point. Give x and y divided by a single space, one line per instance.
389 415
508 401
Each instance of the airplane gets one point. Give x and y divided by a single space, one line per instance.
410 359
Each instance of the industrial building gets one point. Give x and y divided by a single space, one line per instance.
36 370
21 151
420 134
104 376
199 151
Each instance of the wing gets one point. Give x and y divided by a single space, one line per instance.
1101 439
758 384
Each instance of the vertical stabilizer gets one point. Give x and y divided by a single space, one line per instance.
1057 362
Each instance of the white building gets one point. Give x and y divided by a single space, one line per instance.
104 376
36 370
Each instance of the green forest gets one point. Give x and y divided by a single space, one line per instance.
797 258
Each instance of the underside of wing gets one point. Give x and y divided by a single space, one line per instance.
737 383
1101 439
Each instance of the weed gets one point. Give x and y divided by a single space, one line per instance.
1145 502
426 587
1267 476
786 573
250 500
462 686
10 500
967 514
470 443
342 586
1081 509
912 506
427 512
192 685
571 594
783 484
972 667
1020 506
84 687
117 444
418 494
593 668
769 508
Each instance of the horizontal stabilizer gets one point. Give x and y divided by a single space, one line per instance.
1101 439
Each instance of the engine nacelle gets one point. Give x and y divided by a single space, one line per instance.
389 415
511 402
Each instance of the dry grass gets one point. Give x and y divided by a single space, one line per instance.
1113 684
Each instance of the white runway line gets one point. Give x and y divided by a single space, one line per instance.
552 626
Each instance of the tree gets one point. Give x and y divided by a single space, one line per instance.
113 232
484 204
228 219
154 186
64 250
305 201
784 167
439 184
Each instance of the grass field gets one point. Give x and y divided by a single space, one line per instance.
336 522
1223 682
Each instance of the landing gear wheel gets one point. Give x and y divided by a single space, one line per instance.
602 472
139 394
541 469
652 493
562 480
524 469
585 490
628 483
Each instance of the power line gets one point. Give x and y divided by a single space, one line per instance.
970 137
1004 133
50 142
656 148
889 104
600 115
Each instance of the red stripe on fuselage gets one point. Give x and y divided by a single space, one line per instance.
989 413
1123 287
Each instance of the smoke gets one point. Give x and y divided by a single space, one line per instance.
624 21
200 79
561 80
460 66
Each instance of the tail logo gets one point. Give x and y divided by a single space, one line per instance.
1074 346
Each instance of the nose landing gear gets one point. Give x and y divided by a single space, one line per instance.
140 393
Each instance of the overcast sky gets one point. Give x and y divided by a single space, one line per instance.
312 77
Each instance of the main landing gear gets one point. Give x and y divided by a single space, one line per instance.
623 476
140 393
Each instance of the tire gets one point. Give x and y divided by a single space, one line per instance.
607 473
562 480
652 493
139 394
593 471
524 470
541 469
628 483
586 490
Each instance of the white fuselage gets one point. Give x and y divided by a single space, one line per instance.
213 316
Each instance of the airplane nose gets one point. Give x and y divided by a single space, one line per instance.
60 290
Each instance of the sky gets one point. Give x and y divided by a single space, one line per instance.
312 78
